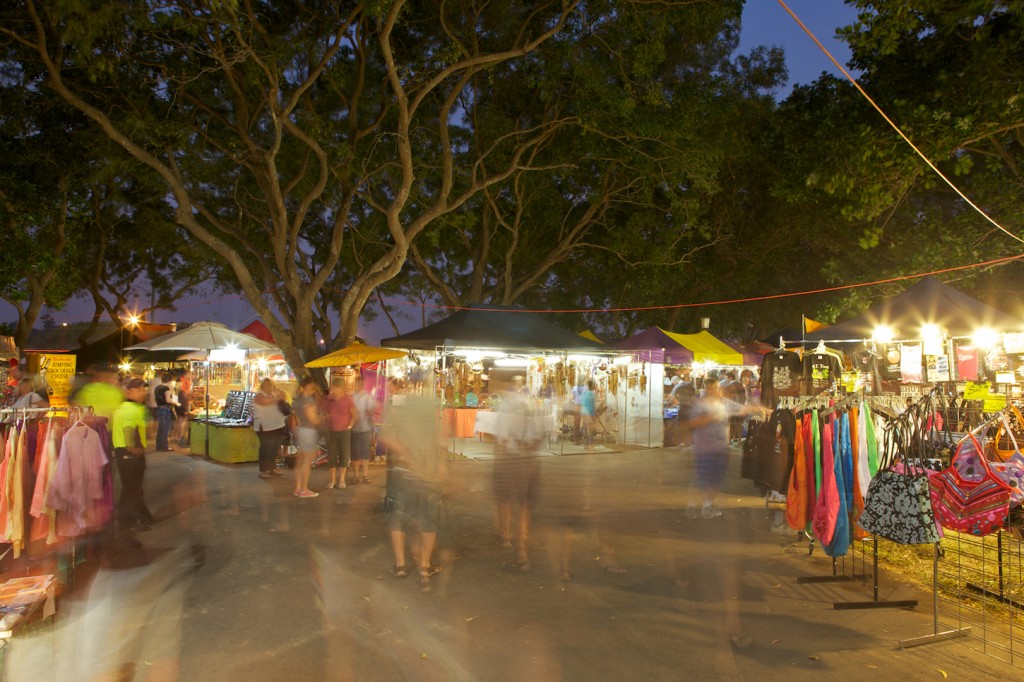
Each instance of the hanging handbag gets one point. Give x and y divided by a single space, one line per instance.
1004 445
941 441
978 507
1011 470
898 505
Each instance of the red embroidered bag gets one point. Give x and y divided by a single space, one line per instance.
979 506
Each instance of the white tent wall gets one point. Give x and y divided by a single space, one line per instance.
639 406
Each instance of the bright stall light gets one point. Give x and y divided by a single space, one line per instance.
584 358
932 337
883 334
986 337
476 354
512 362
623 360
134 320
125 367
229 354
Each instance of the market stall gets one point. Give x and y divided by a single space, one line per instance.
222 345
691 356
929 334
476 353
229 434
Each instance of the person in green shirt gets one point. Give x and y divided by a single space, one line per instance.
102 393
128 432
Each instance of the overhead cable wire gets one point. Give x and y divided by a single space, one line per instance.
700 304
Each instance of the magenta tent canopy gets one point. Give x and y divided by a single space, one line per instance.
659 347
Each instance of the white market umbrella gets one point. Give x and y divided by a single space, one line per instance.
205 336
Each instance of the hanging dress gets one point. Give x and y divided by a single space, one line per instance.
798 502
826 509
840 542
856 531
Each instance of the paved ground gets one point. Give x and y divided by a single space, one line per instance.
317 602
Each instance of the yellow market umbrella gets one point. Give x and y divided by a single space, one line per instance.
356 354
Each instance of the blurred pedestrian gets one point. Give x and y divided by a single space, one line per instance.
306 408
128 433
165 400
362 431
516 473
733 390
340 414
588 411
415 471
183 386
102 392
269 423
710 424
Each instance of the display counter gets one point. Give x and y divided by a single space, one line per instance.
229 444
488 422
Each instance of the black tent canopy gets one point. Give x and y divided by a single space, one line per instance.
930 301
492 326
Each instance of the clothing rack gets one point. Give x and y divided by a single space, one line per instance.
74 413
875 603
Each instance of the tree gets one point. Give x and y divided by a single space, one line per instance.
305 144
38 205
951 75
656 95
133 241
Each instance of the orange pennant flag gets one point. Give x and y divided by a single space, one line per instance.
812 325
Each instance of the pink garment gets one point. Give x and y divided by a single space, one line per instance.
77 487
826 510
12 438
44 525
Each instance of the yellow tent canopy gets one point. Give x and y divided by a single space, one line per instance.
706 348
590 336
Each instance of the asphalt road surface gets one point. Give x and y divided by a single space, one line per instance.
699 599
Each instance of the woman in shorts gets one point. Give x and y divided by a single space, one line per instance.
306 409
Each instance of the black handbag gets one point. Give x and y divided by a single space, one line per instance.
898 503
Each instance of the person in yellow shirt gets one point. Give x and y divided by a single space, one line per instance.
128 433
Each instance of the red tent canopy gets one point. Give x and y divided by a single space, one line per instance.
259 330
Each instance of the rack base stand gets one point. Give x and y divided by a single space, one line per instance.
936 637
898 604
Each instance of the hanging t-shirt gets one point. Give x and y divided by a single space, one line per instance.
820 372
910 363
967 363
780 376
776 462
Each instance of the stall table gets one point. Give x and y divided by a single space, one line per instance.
21 598
489 422
231 444
459 422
